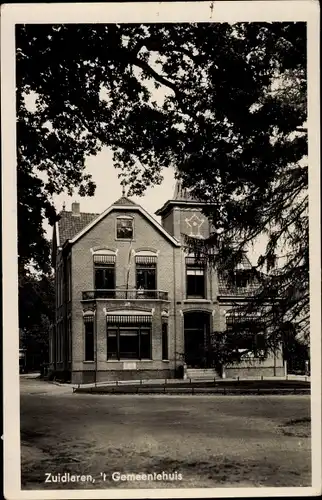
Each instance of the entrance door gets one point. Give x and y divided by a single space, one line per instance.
196 339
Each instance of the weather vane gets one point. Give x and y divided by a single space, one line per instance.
123 187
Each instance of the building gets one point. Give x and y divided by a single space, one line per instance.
130 303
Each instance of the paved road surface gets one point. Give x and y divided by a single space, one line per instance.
212 441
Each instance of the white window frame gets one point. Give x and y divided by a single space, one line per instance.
125 217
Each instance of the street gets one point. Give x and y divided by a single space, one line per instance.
198 441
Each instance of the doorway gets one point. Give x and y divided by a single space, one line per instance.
196 339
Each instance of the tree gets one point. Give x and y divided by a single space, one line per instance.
223 104
36 314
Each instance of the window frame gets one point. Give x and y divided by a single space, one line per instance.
165 341
69 278
86 325
69 338
146 267
241 278
128 327
128 218
202 268
234 319
104 266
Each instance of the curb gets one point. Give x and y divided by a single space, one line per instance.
194 391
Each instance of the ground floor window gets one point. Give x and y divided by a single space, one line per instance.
130 341
89 341
69 338
165 354
246 334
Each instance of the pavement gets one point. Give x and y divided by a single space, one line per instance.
162 382
212 441
158 382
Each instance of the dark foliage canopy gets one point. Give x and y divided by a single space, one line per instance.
225 105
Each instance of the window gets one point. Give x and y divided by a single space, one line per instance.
62 341
146 270
195 274
89 340
240 278
69 280
61 285
104 270
124 228
165 354
247 333
58 283
129 341
69 338
59 342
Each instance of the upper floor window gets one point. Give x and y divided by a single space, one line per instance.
195 278
124 228
241 278
69 279
104 272
59 283
146 272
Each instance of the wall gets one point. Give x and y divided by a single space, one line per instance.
146 236
171 277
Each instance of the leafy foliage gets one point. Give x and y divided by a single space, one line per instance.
223 104
36 314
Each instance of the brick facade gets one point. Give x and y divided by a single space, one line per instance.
78 237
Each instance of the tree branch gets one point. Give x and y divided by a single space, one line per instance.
159 78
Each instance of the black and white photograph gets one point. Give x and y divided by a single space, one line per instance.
161 256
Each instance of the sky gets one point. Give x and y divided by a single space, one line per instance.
109 189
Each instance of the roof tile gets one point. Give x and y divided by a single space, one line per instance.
227 288
69 225
124 201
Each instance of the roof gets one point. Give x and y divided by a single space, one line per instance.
181 203
181 198
69 225
125 201
73 227
181 193
226 288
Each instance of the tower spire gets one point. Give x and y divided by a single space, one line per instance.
180 193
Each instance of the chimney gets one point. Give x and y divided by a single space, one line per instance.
76 209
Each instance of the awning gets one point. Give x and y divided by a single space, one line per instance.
88 316
146 259
104 259
197 262
241 314
128 318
